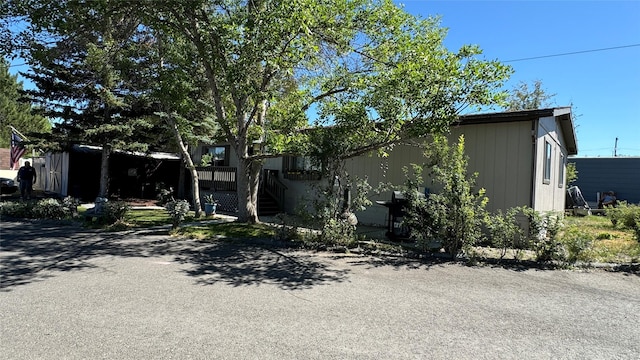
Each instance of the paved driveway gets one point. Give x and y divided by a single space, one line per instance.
68 293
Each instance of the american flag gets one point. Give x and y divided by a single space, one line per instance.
17 150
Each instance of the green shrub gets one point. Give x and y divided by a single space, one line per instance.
542 234
623 214
163 194
505 231
177 209
455 215
71 204
113 211
50 209
574 242
17 209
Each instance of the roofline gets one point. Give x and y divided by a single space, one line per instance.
153 155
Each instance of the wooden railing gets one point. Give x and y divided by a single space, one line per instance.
274 187
218 178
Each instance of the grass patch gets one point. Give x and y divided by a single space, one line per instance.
613 245
229 230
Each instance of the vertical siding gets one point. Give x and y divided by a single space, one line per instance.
501 155
549 197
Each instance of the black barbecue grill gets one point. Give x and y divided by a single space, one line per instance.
395 229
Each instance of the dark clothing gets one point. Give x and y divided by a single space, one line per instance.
26 176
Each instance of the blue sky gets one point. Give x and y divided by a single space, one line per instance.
604 86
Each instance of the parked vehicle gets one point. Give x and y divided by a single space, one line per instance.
7 186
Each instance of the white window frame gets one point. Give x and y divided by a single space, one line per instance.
561 168
548 156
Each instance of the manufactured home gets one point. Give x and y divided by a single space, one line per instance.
520 158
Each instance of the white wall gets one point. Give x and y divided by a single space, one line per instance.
549 196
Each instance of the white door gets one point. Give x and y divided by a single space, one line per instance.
57 165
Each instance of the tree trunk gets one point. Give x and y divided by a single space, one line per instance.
248 181
189 164
103 192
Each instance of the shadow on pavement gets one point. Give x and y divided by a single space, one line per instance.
245 264
33 251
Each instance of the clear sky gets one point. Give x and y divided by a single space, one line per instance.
603 86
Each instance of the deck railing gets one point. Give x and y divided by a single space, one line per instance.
274 187
218 178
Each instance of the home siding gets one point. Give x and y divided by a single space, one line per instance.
618 174
549 196
500 154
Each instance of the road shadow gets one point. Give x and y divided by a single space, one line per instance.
240 264
34 251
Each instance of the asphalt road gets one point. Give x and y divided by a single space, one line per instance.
69 293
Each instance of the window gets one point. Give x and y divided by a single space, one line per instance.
300 168
219 155
547 163
561 167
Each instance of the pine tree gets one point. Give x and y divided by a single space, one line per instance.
92 79
15 111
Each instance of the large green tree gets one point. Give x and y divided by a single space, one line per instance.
376 74
14 111
90 61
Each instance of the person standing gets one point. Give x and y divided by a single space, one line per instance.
26 177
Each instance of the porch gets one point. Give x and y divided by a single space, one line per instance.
221 181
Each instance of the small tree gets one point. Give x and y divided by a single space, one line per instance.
454 216
525 97
572 173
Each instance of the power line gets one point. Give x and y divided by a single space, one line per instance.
573 53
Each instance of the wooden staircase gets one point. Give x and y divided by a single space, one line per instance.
271 194
267 205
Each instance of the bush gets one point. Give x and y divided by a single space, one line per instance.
454 216
178 210
331 211
50 209
17 209
546 245
114 211
505 231
574 242
624 214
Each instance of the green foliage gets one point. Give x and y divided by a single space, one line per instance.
17 209
455 215
523 97
163 194
572 174
114 211
504 230
330 211
624 214
206 160
50 209
546 245
177 210
574 242
15 111
210 199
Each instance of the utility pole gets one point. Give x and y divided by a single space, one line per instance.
615 148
